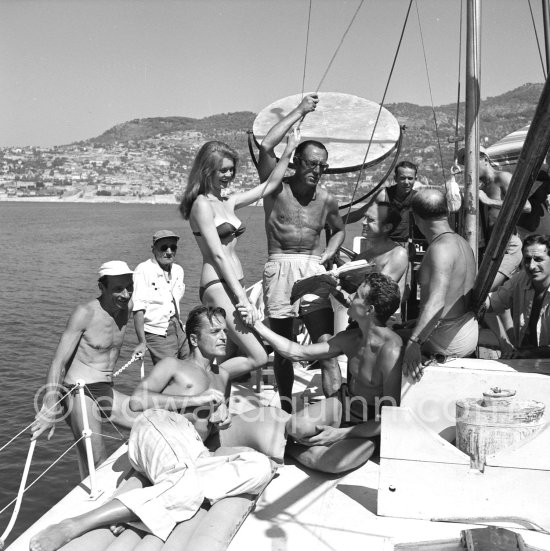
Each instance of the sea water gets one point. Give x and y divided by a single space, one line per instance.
50 254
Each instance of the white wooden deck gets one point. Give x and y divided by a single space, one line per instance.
299 509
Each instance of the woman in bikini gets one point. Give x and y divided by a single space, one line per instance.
216 229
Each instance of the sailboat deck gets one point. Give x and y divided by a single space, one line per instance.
298 509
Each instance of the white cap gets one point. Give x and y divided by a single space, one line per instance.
114 268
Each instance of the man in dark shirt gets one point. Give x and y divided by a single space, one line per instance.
526 293
538 220
400 195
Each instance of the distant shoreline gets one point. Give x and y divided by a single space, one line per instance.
155 200
118 199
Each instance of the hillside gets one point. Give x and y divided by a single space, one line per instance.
499 116
153 155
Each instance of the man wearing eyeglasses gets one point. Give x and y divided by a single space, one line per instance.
158 290
296 215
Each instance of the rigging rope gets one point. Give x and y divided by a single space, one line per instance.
459 75
22 489
19 497
307 44
381 106
128 363
17 500
537 39
339 46
430 90
44 472
49 410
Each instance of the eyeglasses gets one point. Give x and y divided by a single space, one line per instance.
312 165
164 248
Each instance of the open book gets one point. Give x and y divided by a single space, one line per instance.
349 276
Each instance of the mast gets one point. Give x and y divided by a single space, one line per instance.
546 25
535 147
471 176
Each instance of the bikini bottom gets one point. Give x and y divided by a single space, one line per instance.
202 288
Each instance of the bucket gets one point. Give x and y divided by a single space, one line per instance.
497 421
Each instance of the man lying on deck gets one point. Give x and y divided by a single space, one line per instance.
166 444
88 350
339 433
526 293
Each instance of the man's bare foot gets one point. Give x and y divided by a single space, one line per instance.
54 537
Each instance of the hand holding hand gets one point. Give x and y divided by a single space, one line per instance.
248 313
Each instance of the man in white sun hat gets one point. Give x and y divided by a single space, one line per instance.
88 350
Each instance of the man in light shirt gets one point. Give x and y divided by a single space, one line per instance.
158 290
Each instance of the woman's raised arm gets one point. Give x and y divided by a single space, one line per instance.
275 178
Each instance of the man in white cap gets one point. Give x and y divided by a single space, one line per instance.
88 351
158 290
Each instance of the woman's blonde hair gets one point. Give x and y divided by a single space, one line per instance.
205 165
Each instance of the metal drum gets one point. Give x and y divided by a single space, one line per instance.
495 422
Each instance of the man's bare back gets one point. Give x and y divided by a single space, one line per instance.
366 362
451 257
446 277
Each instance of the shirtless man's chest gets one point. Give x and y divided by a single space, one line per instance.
103 335
295 225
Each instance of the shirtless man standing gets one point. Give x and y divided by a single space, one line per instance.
181 399
295 216
336 434
88 350
445 324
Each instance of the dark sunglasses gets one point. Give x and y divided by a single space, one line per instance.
312 165
164 248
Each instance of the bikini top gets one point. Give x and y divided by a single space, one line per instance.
225 230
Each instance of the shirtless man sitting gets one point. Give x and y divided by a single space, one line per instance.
88 350
339 433
445 324
166 444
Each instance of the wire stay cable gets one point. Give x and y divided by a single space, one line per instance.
381 105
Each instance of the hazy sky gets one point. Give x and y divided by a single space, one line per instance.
71 69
